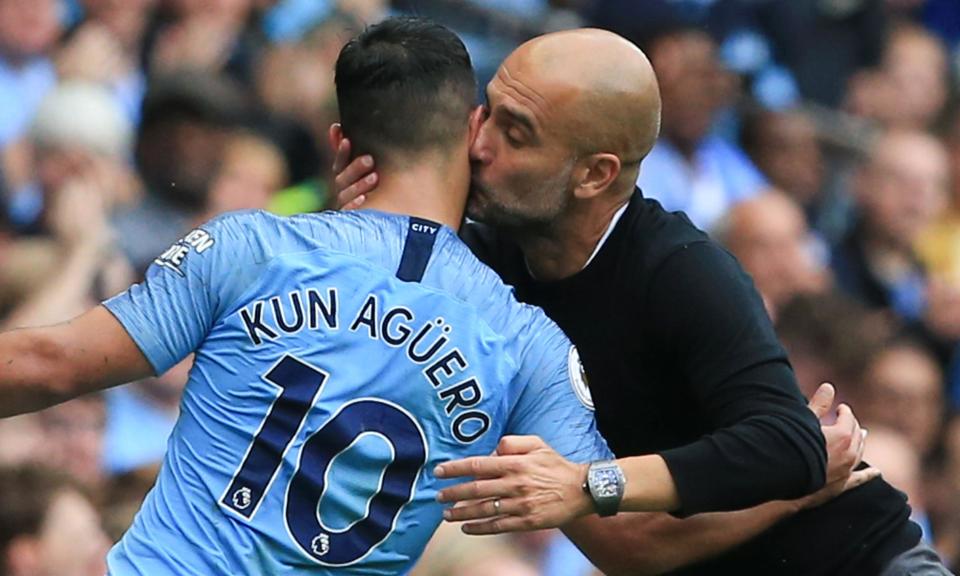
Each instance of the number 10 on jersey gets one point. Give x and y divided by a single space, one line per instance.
301 385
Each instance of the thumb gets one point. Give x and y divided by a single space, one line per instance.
516 445
822 400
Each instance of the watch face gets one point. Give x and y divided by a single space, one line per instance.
606 482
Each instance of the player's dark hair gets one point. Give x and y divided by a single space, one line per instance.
404 86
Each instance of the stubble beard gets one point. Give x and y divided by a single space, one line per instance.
546 202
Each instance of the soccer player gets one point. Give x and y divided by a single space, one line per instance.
339 357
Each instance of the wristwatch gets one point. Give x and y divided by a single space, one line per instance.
605 484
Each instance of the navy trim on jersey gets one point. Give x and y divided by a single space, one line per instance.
417 249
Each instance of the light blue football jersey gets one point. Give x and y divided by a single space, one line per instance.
339 358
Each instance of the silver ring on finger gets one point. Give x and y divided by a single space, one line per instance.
496 505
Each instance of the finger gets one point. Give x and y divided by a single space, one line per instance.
484 510
861 477
501 525
860 450
340 146
516 445
358 189
822 400
847 426
844 417
479 467
354 204
353 173
475 490
856 439
471 502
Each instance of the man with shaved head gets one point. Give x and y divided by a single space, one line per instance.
769 236
682 360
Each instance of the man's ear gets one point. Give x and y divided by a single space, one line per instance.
335 136
477 117
597 173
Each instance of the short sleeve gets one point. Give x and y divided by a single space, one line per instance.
554 401
185 291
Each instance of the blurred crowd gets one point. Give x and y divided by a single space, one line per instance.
818 140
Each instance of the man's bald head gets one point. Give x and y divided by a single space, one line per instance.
600 88
570 117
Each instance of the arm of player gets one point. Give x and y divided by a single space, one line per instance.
143 331
40 367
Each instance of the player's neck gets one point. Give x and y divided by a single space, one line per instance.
432 189
565 247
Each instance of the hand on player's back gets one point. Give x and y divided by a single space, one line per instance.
526 485
353 180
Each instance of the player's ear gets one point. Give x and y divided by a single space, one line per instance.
477 117
335 136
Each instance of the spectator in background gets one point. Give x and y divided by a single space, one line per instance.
770 237
124 496
900 190
943 495
831 338
140 418
909 90
689 169
823 42
73 438
212 37
902 389
48 526
79 263
938 246
296 79
452 553
79 134
785 147
366 11
295 83
187 119
897 459
106 47
251 172
28 32
21 441
81 139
